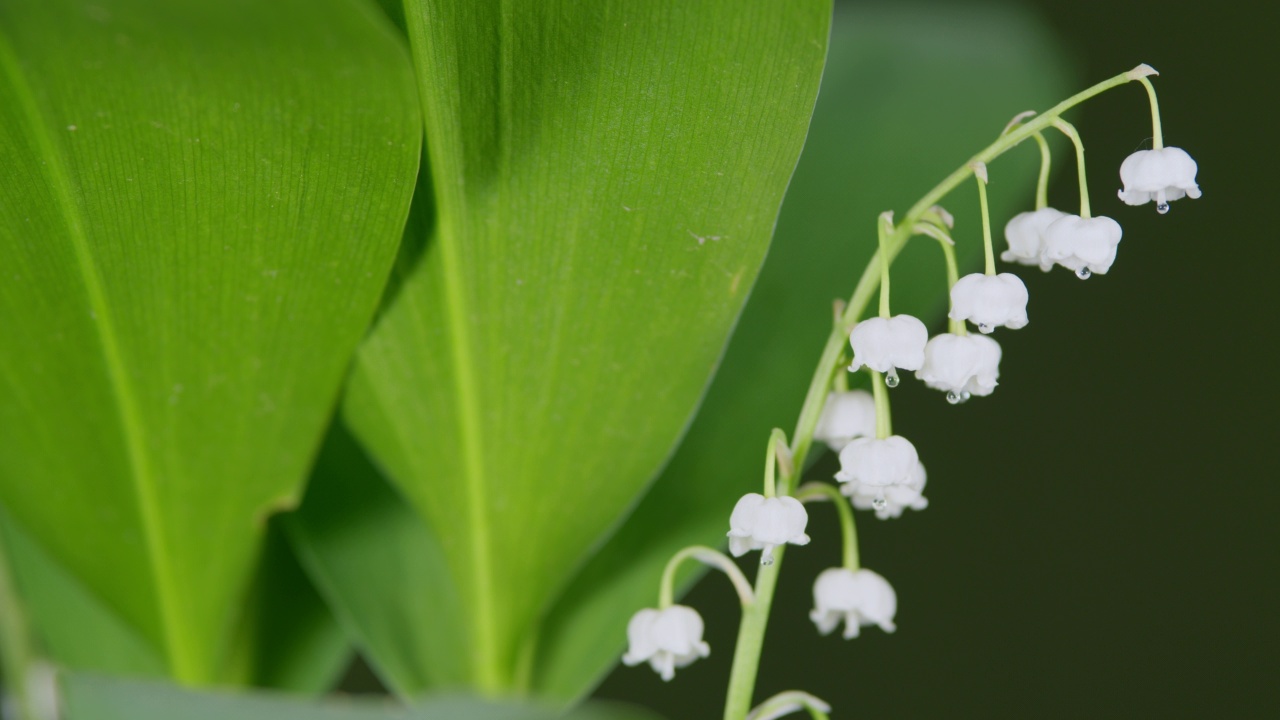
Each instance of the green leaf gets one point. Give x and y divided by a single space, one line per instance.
200 203
287 637
87 697
381 570
908 95
606 176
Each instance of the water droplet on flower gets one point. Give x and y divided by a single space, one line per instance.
879 503
766 559
891 379
964 396
1084 273
953 397
1162 208
984 327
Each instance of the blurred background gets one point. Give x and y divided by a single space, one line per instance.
1100 540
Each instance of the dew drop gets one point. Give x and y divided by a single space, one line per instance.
891 379
879 503
1162 208
1084 273
766 560
964 396
953 397
984 327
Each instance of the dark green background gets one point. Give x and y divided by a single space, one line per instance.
1100 541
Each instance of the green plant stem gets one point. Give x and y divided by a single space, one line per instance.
746 658
710 557
746 654
1070 131
1042 182
955 327
1157 135
989 253
792 701
15 644
810 492
884 420
777 454
885 262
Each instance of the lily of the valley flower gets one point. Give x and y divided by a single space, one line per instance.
858 597
761 523
878 463
1164 175
668 639
990 301
1025 235
1084 245
889 502
886 344
961 365
847 415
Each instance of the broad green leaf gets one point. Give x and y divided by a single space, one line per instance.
381 570
908 95
89 697
70 622
287 638
200 202
606 177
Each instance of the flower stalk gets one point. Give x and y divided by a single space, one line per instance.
815 492
891 242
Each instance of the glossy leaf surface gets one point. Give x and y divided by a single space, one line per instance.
606 178
199 206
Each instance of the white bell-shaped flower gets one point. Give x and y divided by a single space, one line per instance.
1025 235
884 344
847 415
878 463
858 597
1084 245
668 639
1163 175
761 523
961 365
889 502
990 301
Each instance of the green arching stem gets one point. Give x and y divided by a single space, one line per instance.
746 657
777 454
813 491
884 423
1042 183
1157 135
1070 131
885 262
987 249
790 702
710 557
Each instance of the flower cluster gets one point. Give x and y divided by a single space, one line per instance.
879 470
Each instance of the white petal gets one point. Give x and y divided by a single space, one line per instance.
885 343
1168 173
990 301
1025 235
878 463
1082 243
961 364
846 415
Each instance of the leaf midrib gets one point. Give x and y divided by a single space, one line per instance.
176 648
485 666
